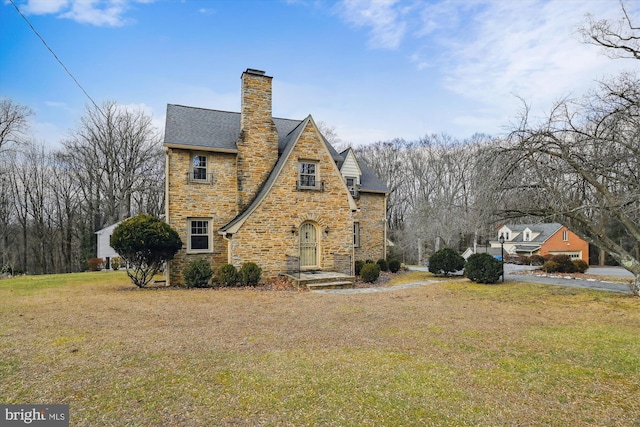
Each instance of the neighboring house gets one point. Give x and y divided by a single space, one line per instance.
541 239
480 249
105 251
247 187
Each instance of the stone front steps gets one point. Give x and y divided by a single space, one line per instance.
320 280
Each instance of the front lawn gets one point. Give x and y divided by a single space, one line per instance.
449 354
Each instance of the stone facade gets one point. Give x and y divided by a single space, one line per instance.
371 218
252 200
258 141
266 238
215 200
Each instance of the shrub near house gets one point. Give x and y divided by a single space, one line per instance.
446 261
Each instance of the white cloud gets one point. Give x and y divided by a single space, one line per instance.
489 53
40 7
101 13
386 22
206 11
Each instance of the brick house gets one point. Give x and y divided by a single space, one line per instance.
541 239
248 187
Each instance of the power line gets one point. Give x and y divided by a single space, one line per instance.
58 59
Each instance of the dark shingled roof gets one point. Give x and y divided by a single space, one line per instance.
546 230
216 130
212 129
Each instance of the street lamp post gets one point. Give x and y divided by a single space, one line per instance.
501 240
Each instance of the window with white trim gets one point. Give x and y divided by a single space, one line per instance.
307 174
199 235
565 235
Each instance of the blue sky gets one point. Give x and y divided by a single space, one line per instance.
374 70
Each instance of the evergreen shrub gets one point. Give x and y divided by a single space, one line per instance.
197 273
483 268
250 274
228 275
394 265
370 272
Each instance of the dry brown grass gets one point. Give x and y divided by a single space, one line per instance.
452 353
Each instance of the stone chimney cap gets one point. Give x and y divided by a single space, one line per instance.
255 72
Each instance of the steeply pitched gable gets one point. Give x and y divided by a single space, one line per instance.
290 142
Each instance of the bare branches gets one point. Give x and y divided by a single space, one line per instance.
14 122
620 39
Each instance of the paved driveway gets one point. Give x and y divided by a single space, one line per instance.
565 280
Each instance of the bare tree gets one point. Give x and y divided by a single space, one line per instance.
620 39
14 122
581 167
114 154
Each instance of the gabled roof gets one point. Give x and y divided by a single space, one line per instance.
289 141
211 130
369 181
546 230
214 130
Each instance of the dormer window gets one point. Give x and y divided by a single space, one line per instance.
527 236
352 185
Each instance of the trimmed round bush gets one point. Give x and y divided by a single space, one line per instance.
370 272
228 275
394 265
537 260
250 274
384 265
550 267
145 243
580 265
197 273
565 264
446 261
359 265
483 268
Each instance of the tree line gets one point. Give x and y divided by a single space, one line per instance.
53 201
578 166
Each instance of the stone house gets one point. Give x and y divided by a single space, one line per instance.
248 187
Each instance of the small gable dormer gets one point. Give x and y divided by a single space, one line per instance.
351 172
506 232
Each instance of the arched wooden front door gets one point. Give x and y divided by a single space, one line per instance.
308 245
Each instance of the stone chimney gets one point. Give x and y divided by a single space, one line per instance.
258 141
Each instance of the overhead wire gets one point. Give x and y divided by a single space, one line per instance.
57 59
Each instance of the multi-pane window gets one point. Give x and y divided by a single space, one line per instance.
351 185
199 235
308 174
356 234
199 171
565 235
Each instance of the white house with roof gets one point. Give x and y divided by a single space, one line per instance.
105 251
